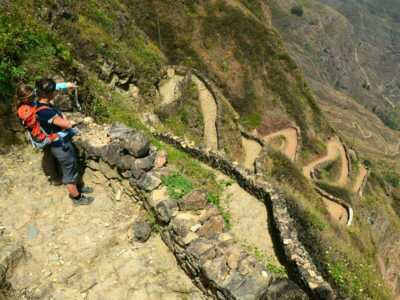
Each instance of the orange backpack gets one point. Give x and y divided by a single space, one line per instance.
27 114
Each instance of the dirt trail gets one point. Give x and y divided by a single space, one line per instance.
209 111
251 149
248 218
169 88
335 150
81 252
290 135
337 211
359 181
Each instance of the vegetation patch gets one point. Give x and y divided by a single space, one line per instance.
185 118
177 185
270 263
297 10
339 192
330 171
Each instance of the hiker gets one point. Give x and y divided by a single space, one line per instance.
58 133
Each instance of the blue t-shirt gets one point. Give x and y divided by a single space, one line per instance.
46 117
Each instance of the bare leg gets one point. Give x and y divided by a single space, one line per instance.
73 190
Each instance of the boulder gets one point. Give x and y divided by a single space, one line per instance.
147 182
196 200
284 289
212 227
141 231
107 171
164 210
126 162
145 163
119 131
111 154
63 102
161 159
136 144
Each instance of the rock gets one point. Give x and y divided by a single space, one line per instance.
190 237
119 131
111 154
92 164
141 231
137 145
161 159
164 210
182 223
137 173
107 171
206 214
201 248
134 90
216 269
151 119
194 201
126 162
126 174
63 102
233 256
212 227
247 287
284 289
147 182
146 163
88 120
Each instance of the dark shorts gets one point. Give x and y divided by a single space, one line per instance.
67 159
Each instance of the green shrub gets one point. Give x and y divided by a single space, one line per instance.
177 185
297 10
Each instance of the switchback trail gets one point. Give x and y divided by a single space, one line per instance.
335 150
251 149
359 181
169 88
290 147
209 110
81 252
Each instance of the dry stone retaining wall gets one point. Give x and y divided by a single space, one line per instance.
296 255
10 254
192 228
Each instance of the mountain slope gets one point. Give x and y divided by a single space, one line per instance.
228 54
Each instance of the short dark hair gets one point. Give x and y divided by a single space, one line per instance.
24 93
45 87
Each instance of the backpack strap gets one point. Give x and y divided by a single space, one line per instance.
52 136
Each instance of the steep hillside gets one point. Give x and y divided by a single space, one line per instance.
218 74
348 52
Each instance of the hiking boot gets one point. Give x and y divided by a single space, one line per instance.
86 190
82 200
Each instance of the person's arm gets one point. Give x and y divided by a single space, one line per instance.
62 123
64 86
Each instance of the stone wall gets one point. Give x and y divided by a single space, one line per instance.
192 228
298 259
10 254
